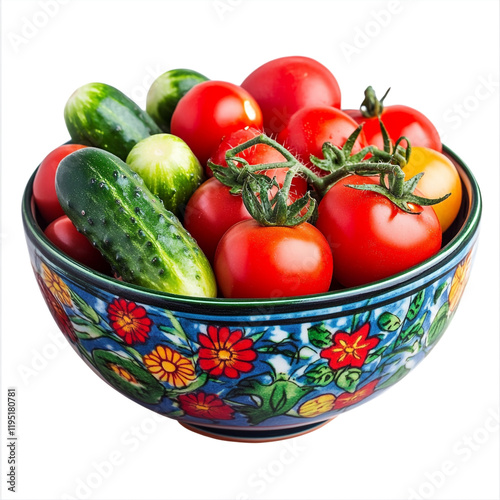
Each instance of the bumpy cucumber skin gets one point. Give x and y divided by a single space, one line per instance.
169 169
100 115
166 91
144 243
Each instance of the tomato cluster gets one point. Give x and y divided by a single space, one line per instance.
355 235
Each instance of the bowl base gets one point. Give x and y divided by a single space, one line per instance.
253 436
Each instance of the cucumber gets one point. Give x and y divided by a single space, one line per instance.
100 115
167 90
144 242
168 167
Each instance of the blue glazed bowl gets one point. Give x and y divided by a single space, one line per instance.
256 370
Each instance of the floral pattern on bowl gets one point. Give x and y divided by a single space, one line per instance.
244 374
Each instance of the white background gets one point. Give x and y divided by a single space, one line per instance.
434 435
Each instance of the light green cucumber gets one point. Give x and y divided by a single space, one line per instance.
166 91
168 167
143 241
100 115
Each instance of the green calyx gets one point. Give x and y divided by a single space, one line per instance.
266 201
269 204
400 192
371 106
392 183
274 210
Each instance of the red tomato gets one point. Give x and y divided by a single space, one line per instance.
257 155
370 237
64 235
211 110
44 188
399 120
254 261
260 153
285 85
310 128
212 209
210 212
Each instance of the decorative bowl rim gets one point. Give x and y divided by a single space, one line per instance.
465 233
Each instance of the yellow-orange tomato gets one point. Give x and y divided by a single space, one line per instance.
440 177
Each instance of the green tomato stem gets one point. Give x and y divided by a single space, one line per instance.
371 106
320 184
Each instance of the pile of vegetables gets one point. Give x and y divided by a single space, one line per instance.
260 190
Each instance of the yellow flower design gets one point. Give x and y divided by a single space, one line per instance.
317 406
459 281
56 286
169 366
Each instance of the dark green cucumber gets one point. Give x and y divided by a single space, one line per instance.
100 115
143 241
167 90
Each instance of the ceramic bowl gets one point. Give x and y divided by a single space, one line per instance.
256 370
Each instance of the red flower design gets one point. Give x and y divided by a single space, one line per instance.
208 406
223 352
129 321
348 399
57 311
350 349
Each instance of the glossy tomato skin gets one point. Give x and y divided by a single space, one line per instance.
253 261
212 209
260 153
44 188
64 235
370 237
399 120
309 128
440 178
210 212
257 155
210 111
285 85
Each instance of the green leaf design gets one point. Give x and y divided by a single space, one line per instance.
388 322
272 400
414 330
133 352
267 349
200 381
179 341
255 337
84 308
176 334
375 354
401 372
416 305
278 398
85 329
320 336
348 378
320 375
284 347
127 376
440 291
360 319
177 326
438 326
